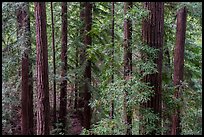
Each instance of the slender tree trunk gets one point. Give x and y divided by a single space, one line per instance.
81 51
76 92
54 69
127 64
27 82
63 90
19 36
179 66
76 80
168 58
87 72
112 59
19 67
152 33
43 106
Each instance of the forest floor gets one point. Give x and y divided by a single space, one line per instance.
15 129
76 126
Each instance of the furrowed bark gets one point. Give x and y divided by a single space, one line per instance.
27 81
43 106
152 35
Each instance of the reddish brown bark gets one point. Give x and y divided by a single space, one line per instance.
179 66
54 69
27 83
84 93
152 34
43 106
87 72
63 90
127 63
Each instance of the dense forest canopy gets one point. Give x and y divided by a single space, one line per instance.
102 68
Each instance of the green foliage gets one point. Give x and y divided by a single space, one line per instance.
192 68
192 111
10 105
103 91
58 129
149 119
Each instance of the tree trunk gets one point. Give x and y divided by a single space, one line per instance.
76 80
63 86
54 69
87 72
43 106
27 82
152 34
127 64
179 66
19 36
81 52
112 59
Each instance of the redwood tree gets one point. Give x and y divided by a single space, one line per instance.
54 69
27 81
127 63
43 106
81 56
87 72
179 66
77 98
63 85
152 34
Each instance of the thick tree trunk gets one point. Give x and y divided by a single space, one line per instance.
127 64
43 106
27 82
152 33
54 69
179 66
87 72
63 86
